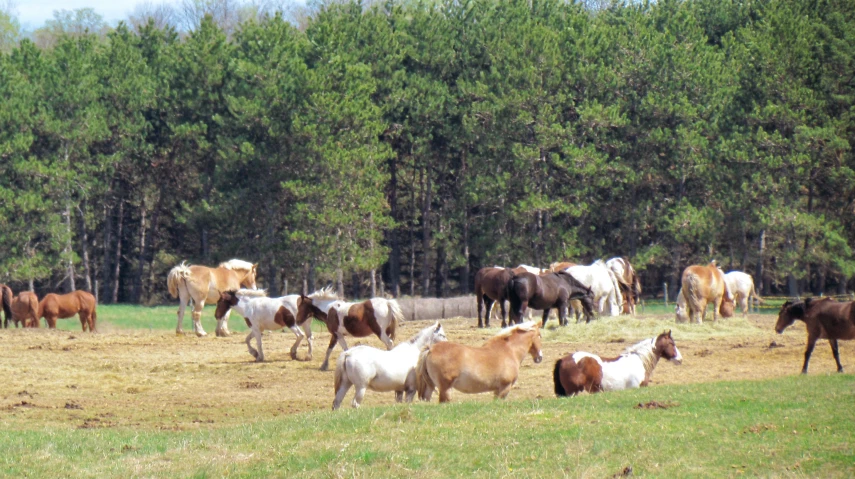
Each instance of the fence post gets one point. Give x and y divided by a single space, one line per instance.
665 291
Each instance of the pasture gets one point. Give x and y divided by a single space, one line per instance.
137 400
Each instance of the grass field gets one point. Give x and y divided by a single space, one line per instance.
136 400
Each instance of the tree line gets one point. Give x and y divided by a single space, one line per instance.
401 145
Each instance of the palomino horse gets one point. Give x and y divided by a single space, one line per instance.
741 286
378 316
588 372
547 291
603 284
702 285
383 371
203 284
63 306
494 366
6 298
630 286
682 308
267 314
824 318
25 309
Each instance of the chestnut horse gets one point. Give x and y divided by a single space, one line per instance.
588 372
378 316
6 298
25 309
824 319
547 291
702 285
494 366
63 306
203 284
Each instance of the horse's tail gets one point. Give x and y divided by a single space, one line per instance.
424 384
397 316
754 293
176 274
340 370
7 303
616 286
556 377
36 311
693 294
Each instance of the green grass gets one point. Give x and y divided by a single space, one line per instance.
796 426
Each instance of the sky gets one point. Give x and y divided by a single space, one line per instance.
33 13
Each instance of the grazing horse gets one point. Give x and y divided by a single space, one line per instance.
547 291
682 308
6 298
383 371
824 319
267 314
378 316
603 284
588 372
25 309
494 366
62 306
630 286
741 286
700 286
203 284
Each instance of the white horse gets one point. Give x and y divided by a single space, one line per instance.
603 284
741 286
383 371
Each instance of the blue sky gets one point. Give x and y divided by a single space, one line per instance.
33 13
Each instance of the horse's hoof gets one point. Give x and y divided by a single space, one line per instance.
259 360
179 333
324 367
201 335
293 355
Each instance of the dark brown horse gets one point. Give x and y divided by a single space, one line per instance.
25 309
546 291
6 298
491 284
61 306
824 319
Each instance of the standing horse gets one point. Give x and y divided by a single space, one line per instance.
6 298
741 286
630 286
25 309
491 284
378 316
603 284
702 285
495 366
203 284
383 371
56 306
588 372
547 291
823 318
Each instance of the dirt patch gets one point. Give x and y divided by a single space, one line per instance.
759 428
703 353
251 385
655 405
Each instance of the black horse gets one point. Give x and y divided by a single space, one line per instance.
546 291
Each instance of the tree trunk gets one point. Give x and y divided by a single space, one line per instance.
339 282
758 271
138 277
426 234
394 266
118 259
84 247
69 248
106 262
676 275
464 273
357 290
373 282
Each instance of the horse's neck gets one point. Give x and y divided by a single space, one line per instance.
421 340
514 345
646 352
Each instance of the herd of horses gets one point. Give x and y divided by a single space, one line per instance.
428 361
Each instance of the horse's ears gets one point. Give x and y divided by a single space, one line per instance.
668 333
437 326
254 266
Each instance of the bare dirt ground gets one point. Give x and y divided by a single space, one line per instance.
157 380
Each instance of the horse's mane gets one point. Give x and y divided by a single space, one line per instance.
326 292
645 350
237 264
251 293
526 326
600 262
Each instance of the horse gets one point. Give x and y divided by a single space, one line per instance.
64 306
682 308
491 284
6 299
378 316
702 285
267 314
491 310
588 372
741 286
603 284
492 367
547 291
824 319
203 284
383 371
630 286
25 309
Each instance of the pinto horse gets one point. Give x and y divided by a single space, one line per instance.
25 309
203 284
824 318
588 372
602 282
378 316
494 366
547 291
741 286
62 306
6 298
630 286
394 370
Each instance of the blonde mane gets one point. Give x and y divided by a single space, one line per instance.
251 293
237 265
646 351
526 326
325 293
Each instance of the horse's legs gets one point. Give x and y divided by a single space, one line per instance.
342 390
197 318
83 322
504 312
333 341
298 331
51 321
307 331
253 352
503 392
546 317
716 305
223 325
836 353
399 396
182 305
812 337
258 333
444 396
357 397
483 302
386 340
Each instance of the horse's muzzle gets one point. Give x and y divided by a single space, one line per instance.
538 358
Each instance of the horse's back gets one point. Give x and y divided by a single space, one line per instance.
836 318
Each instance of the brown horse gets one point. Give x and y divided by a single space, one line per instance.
25 309
702 285
63 306
494 366
824 318
6 298
203 284
588 372
378 316
491 284
547 291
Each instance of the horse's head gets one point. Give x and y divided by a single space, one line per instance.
788 315
224 303
248 280
667 348
727 307
531 331
438 334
